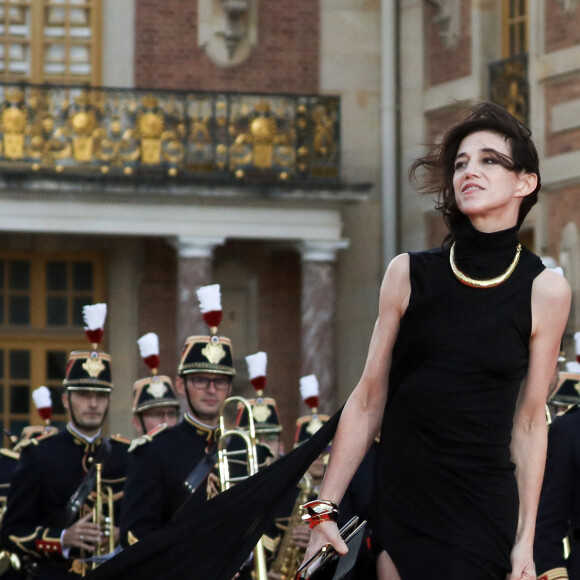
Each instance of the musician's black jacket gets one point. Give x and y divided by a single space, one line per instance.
156 474
8 464
50 470
559 509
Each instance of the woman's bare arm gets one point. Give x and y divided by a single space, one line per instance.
361 418
550 307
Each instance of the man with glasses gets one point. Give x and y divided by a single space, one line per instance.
163 465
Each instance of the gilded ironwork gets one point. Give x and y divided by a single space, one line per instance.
188 135
508 79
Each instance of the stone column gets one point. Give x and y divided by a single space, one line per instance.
318 319
194 269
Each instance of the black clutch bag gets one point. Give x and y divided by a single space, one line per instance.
326 564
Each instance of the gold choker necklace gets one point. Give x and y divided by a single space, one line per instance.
464 279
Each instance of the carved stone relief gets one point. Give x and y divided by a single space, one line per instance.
448 21
568 7
228 30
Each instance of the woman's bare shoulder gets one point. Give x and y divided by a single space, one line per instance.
551 287
396 286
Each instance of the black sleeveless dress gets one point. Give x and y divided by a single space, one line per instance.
445 491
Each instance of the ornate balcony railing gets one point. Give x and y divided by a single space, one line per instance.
185 135
508 86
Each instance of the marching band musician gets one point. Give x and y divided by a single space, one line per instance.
559 508
306 426
163 466
269 443
44 520
10 564
154 398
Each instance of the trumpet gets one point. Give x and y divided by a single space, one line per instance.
248 455
104 515
104 496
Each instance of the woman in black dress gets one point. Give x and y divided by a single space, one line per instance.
458 369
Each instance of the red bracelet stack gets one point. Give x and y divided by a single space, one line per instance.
318 511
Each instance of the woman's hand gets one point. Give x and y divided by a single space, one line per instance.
324 534
522 559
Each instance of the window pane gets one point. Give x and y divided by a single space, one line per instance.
56 276
57 407
16 426
56 311
56 362
20 275
19 399
78 304
19 310
83 277
19 364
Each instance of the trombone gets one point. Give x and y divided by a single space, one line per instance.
247 455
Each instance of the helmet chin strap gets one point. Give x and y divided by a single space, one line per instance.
189 403
142 423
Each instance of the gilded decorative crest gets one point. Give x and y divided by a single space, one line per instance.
314 425
13 120
94 365
262 412
214 352
157 388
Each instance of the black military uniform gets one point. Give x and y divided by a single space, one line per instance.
10 564
159 464
559 508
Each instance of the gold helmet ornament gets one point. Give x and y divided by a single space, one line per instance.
264 409
307 425
90 370
213 353
155 390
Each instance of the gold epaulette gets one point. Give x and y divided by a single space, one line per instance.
120 439
147 438
34 440
10 453
554 574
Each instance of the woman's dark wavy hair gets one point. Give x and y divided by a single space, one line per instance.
439 164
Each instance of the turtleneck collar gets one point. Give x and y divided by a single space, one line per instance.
483 255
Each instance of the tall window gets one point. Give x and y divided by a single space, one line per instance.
515 27
41 300
50 41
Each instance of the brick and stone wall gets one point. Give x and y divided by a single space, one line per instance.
285 60
443 63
